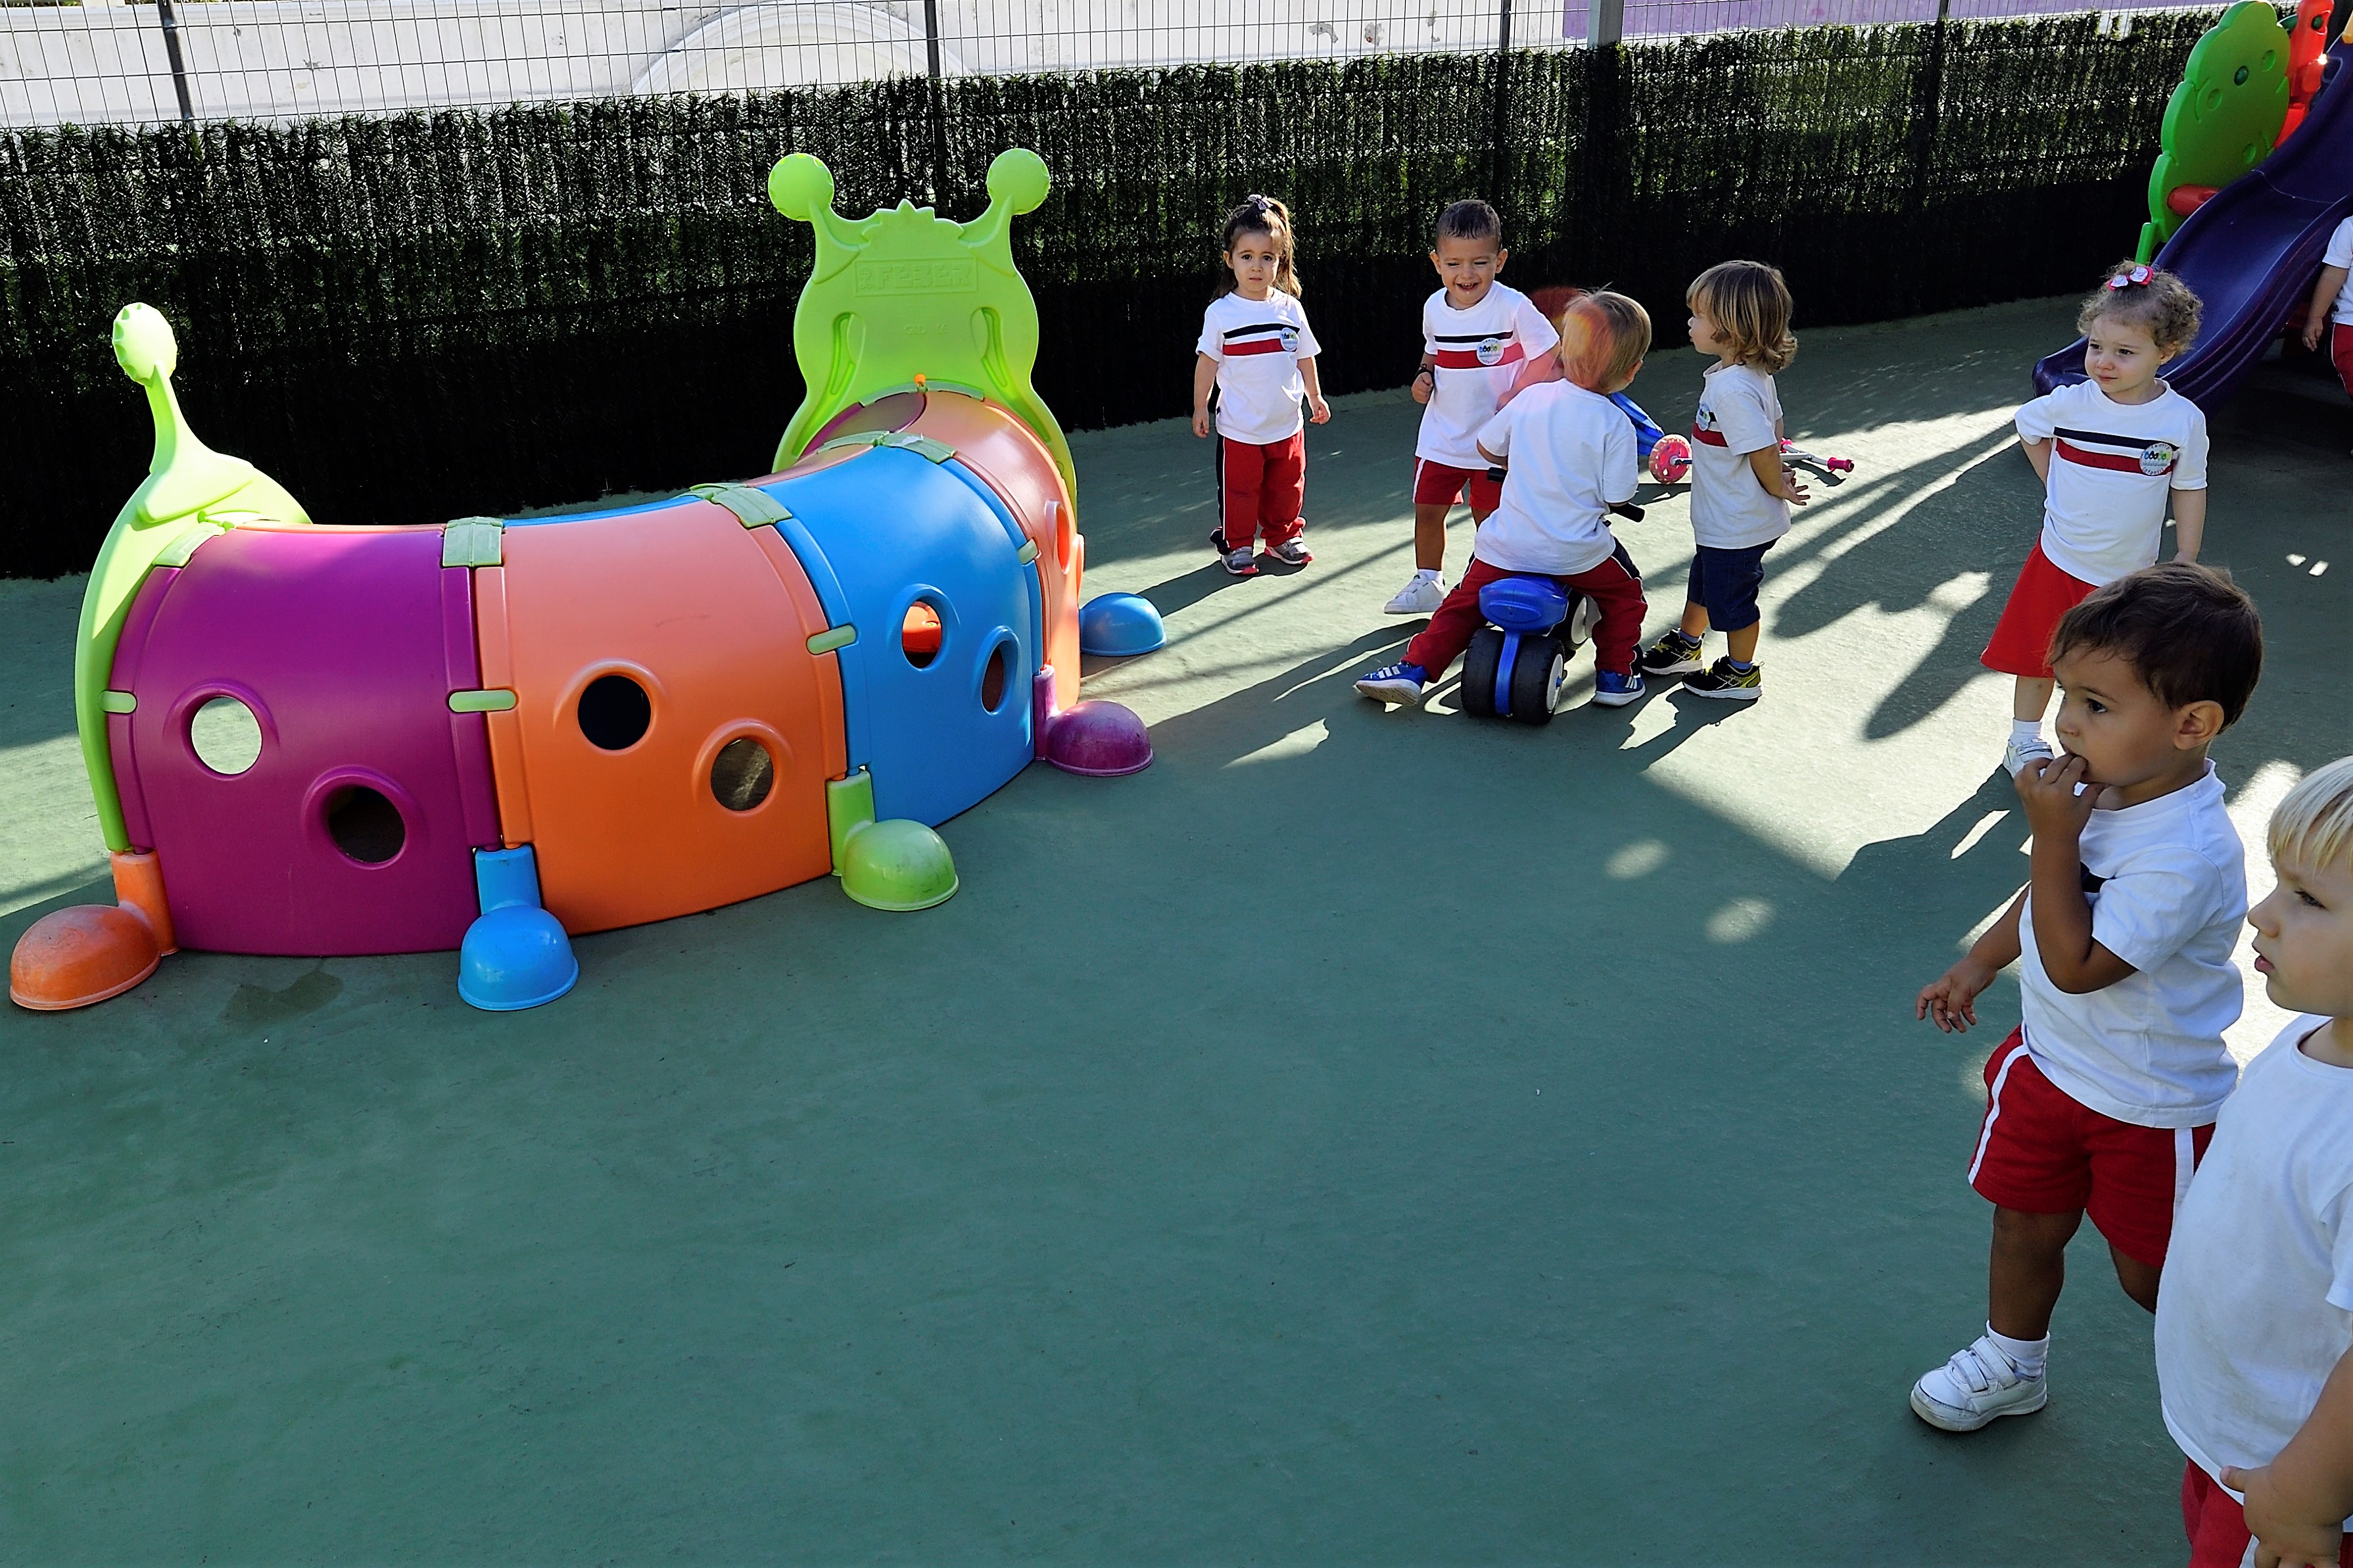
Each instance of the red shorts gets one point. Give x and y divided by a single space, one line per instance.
2040 1151
1435 484
2021 638
2217 1524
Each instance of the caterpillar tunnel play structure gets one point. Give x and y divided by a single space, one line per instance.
492 735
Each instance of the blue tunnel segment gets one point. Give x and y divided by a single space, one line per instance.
941 727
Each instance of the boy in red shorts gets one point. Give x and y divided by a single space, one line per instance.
2103 1099
1476 333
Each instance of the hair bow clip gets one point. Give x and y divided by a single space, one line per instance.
2131 278
1256 203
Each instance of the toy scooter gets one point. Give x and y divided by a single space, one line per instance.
1832 470
1670 461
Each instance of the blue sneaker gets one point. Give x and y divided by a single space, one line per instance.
1611 689
1394 683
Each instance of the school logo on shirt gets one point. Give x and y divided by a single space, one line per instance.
2156 457
1490 352
1704 429
1290 339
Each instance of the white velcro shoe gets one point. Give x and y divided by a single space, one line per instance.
1977 1386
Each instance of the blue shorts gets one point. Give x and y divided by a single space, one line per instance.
1723 582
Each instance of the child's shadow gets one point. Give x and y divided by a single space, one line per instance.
1183 593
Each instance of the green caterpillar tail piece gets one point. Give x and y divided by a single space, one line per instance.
904 293
190 494
2224 117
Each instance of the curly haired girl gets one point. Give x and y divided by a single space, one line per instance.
2112 451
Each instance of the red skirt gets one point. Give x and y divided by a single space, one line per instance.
2021 638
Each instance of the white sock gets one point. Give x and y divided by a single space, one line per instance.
1427 573
2027 1355
2025 732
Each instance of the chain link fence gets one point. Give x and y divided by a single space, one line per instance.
157 62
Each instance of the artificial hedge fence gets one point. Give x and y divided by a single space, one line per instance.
419 316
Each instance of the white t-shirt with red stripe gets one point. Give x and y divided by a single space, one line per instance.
1477 352
1739 413
2112 465
1258 344
2168 883
1572 454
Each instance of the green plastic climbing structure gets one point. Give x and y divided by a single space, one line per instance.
2222 121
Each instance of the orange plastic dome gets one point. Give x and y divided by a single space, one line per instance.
73 957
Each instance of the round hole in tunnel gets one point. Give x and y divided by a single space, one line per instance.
225 736
615 712
365 825
742 773
996 678
920 635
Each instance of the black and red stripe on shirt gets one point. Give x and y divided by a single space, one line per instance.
1257 338
1460 358
2124 454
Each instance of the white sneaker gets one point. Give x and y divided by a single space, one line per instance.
2016 754
1976 1387
1420 597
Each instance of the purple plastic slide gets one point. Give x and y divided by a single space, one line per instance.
2252 250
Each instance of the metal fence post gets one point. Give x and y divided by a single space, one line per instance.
936 95
1500 161
1605 23
172 51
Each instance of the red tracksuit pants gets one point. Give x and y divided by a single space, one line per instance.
1260 489
1614 586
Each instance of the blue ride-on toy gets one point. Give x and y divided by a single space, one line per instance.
1516 663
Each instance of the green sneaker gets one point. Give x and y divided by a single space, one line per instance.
1721 680
1672 653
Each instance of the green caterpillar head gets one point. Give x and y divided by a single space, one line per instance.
904 293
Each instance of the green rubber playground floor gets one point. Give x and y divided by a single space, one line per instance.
1362 1138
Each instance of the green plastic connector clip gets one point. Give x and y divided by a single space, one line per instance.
118 703
899 865
752 508
923 446
928 448
832 637
1027 553
183 543
492 700
473 541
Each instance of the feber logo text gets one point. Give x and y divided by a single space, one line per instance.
945 277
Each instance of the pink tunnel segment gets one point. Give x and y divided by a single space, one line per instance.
351 830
